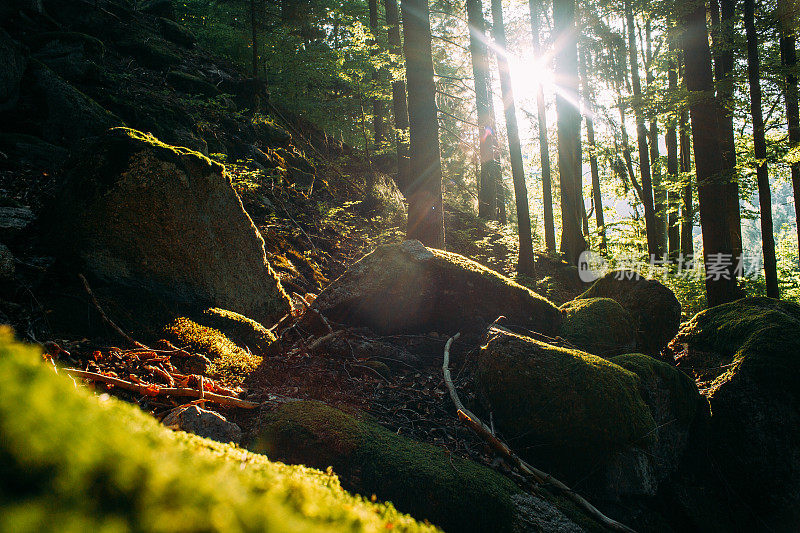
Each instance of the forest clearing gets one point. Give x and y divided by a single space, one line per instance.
419 265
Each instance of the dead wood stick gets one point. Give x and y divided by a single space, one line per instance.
161 391
543 478
309 308
105 318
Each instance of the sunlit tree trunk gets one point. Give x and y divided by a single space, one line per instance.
723 41
641 135
378 125
489 162
544 149
712 196
671 140
585 62
760 149
425 213
399 105
788 22
687 205
525 264
569 130
500 187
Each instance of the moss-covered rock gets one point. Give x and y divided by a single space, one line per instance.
599 326
63 115
428 482
149 53
174 32
242 330
408 288
270 133
160 8
24 149
13 61
229 362
72 55
566 410
746 355
73 462
654 307
191 84
138 213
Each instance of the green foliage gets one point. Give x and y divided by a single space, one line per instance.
73 462
454 493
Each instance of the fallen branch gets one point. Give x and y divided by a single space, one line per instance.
543 478
105 318
155 390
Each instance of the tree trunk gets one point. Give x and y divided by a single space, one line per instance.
569 130
399 105
788 23
500 185
659 192
723 41
425 213
525 264
641 134
585 61
671 139
712 196
544 149
687 207
377 105
254 42
760 149
490 164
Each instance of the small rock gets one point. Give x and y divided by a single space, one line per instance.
203 423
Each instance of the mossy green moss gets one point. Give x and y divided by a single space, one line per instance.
564 409
73 462
243 331
599 326
759 335
451 492
229 362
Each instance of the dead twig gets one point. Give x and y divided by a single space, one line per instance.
543 478
155 390
105 318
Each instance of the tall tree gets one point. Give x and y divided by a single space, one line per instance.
544 149
723 19
671 140
254 37
760 149
425 211
569 130
525 264
788 13
641 135
378 126
687 205
712 196
588 98
399 105
659 192
500 186
489 157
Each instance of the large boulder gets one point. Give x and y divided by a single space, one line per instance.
138 213
566 410
13 61
203 423
423 480
599 326
654 307
746 357
408 288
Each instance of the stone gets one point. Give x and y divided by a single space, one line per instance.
13 61
138 213
655 309
174 32
203 423
599 326
13 220
7 267
408 288
190 84
28 150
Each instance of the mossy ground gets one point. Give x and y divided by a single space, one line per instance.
245 332
599 326
229 362
451 492
564 409
73 462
